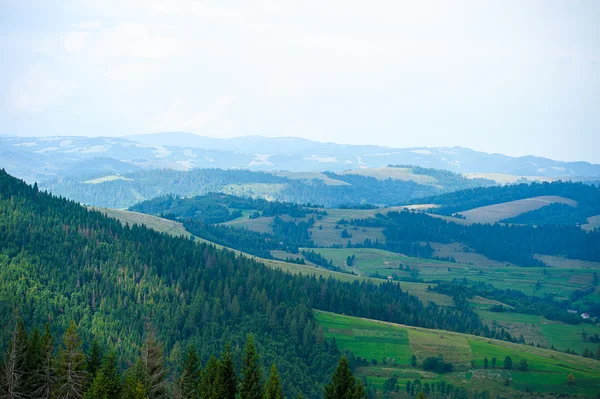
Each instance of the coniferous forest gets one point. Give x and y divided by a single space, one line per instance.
63 264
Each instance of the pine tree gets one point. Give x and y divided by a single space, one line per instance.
33 361
134 386
71 374
274 388
14 384
111 373
153 366
190 375
46 374
251 384
227 378
343 385
94 359
208 386
99 387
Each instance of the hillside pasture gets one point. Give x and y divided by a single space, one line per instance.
494 213
593 222
384 173
311 176
371 339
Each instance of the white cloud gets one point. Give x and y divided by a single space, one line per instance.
37 89
140 41
89 25
74 41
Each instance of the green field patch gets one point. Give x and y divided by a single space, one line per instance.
428 343
367 339
547 371
105 179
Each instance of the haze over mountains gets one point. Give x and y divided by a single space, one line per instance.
42 158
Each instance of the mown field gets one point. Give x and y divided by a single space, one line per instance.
379 341
494 213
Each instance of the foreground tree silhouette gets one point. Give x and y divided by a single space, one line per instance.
274 387
251 385
343 385
46 374
13 370
190 375
227 378
70 370
153 366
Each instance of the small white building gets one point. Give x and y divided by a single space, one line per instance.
585 316
572 311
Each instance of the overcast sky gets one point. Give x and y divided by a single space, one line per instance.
516 77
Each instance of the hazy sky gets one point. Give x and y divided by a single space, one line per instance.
516 77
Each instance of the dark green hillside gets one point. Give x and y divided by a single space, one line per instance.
516 244
60 262
586 195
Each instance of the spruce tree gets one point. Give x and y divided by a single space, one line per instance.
98 388
134 386
111 373
190 375
14 384
71 374
343 385
274 388
94 359
46 374
33 361
251 384
208 386
153 366
227 378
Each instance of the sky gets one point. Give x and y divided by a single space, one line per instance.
518 77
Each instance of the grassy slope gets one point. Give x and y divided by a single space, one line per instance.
371 339
494 213
404 174
593 222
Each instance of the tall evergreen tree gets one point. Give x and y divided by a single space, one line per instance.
274 388
110 370
227 378
343 385
153 366
134 386
94 359
71 374
191 375
46 374
208 386
251 384
33 361
14 384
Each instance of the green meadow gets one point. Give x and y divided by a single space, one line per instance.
547 370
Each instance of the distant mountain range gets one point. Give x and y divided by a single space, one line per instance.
42 158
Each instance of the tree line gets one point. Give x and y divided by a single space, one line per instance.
32 367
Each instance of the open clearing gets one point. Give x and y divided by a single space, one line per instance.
404 174
370 339
311 176
503 178
494 213
105 179
593 222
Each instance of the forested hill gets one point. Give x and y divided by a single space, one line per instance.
326 189
586 195
61 262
